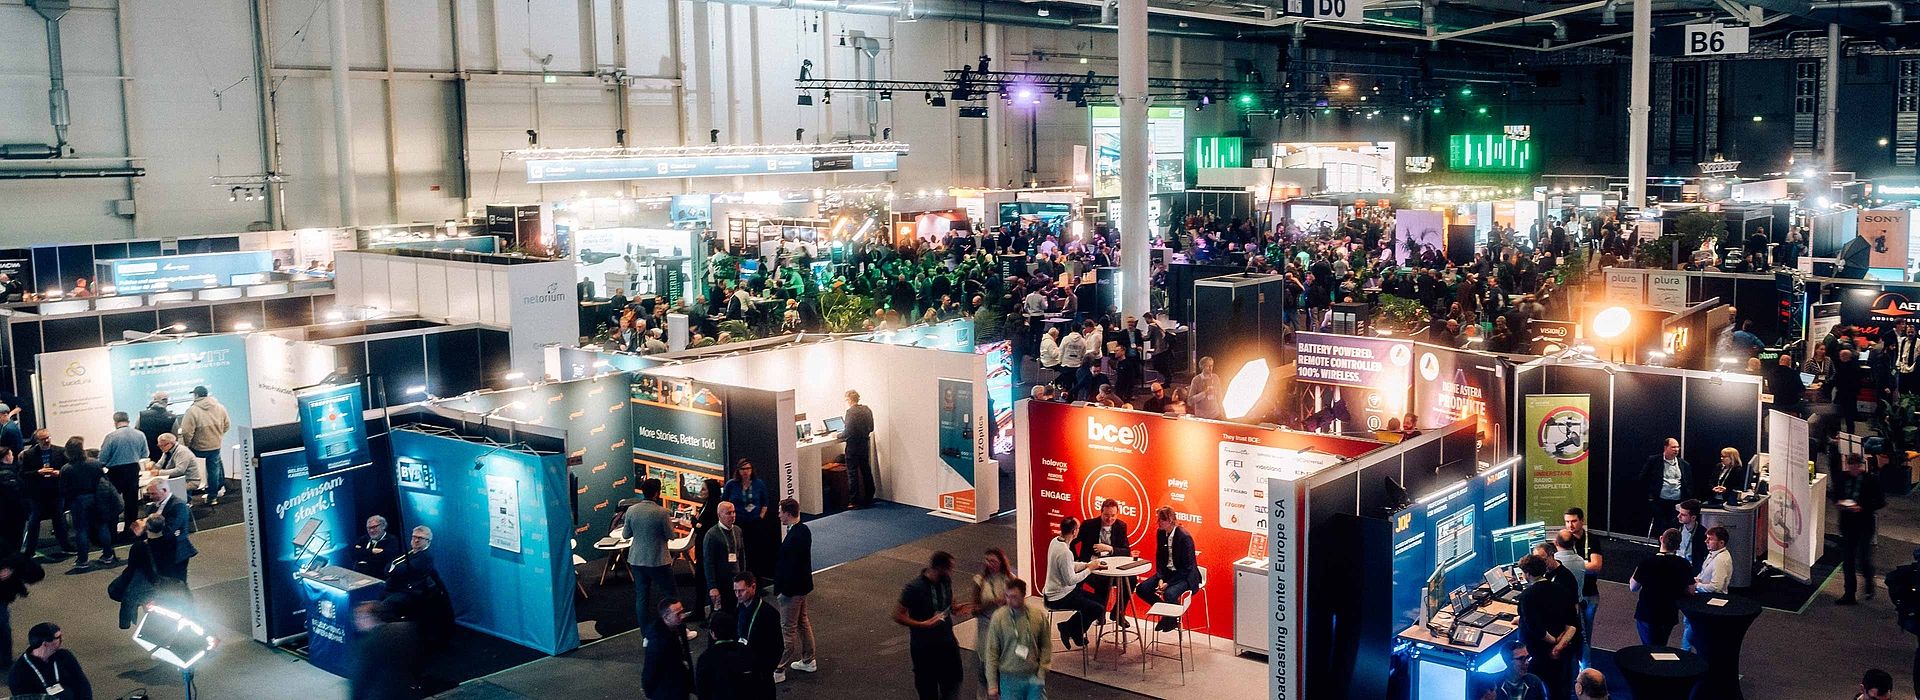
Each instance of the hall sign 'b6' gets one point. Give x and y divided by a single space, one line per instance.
1710 39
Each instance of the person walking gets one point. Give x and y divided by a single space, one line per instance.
93 503
141 582
926 609
386 655
857 431
48 669
720 557
1661 580
649 527
121 452
793 581
990 592
668 674
1858 495
1018 648
203 427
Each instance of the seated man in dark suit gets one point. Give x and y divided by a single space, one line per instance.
374 553
415 590
1105 537
1175 572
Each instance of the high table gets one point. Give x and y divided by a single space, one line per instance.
1125 572
332 594
1660 673
1718 626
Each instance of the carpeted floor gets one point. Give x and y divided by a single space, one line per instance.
1770 588
853 534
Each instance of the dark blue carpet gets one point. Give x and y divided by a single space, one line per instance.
853 534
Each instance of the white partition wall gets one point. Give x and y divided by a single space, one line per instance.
537 303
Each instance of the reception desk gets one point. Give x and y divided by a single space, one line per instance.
1745 540
810 455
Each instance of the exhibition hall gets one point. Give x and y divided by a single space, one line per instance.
940 349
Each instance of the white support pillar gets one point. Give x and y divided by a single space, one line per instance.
991 49
1639 103
1132 95
1830 110
342 116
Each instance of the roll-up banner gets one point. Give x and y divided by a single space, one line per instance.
1795 536
1556 441
332 428
956 447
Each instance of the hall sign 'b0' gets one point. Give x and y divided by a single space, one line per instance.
1337 10
1711 39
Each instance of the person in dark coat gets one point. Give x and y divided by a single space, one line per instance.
142 580
385 655
17 573
39 466
415 591
759 624
725 670
154 420
175 549
1668 480
1174 570
708 517
668 674
1858 495
857 432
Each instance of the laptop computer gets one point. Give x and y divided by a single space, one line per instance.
834 424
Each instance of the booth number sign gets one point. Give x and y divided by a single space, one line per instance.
1712 39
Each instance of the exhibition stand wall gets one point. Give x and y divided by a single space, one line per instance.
499 515
1587 428
931 440
57 266
30 335
1363 385
1223 481
534 300
401 356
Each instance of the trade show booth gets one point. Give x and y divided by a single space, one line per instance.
1371 385
933 430
536 301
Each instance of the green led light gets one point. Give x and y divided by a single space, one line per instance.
1482 110
1466 90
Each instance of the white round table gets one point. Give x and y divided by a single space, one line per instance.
1126 572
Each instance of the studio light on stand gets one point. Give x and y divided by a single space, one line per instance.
169 636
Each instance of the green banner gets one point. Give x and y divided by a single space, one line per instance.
1557 442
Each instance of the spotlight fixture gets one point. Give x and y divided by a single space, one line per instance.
886 95
233 195
805 100
1044 12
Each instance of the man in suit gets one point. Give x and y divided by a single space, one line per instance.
1106 537
668 674
720 557
177 541
375 552
858 434
1858 495
1175 572
1668 480
154 420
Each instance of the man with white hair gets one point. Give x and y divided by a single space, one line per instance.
175 546
10 435
374 553
177 465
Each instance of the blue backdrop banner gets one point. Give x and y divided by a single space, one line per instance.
217 362
525 597
306 522
332 428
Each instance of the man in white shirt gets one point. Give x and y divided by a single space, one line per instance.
1717 571
1050 350
1062 591
1036 303
1073 352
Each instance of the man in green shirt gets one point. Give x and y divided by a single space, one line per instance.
1019 648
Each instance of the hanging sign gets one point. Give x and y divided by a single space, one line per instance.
1713 39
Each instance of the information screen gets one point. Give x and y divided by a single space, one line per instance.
1453 538
1512 543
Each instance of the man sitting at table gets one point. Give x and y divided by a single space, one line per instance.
1174 571
1106 537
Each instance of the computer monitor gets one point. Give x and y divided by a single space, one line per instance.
834 423
1498 579
1453 538
1512 543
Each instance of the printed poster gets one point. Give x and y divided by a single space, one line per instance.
956 445
1557 441
503 513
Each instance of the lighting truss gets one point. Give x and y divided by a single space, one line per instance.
982 84
791 149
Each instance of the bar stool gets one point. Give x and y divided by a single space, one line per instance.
1158 612
1200 599
577 561
1054 618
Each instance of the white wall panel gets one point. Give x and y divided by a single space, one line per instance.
463 301
436 295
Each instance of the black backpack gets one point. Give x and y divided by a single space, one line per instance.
107 502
